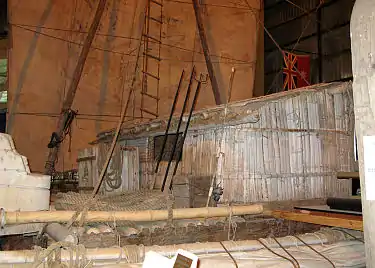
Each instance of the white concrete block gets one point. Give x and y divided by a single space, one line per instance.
20 190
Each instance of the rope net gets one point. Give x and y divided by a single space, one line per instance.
125 201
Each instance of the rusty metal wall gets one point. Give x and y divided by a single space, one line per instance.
321 33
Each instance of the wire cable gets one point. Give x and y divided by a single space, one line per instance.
24 26
213 5
277 254
349 234
277 44
313 249
283 248
75 43
230 255
307 24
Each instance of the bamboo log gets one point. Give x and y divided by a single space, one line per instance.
147 215
117 254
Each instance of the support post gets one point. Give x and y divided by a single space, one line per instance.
69 98
362 28
219 96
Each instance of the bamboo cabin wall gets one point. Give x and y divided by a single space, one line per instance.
287 146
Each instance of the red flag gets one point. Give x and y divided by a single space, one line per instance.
296 71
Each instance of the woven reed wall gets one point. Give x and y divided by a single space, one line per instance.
293 152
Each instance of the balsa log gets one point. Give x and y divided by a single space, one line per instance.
118 254
146 215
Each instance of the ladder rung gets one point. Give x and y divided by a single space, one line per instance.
155 19
153 76
152 38
156 2
152 56
149 95
149 112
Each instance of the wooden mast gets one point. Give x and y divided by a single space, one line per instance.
218 94
69 98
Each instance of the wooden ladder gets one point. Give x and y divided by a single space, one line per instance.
151 37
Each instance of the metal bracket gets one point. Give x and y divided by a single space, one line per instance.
203 78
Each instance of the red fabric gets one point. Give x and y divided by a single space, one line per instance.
303 66
296 71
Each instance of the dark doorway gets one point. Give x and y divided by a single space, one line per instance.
3 120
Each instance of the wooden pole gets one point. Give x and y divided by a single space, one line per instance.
362 28
219 96
147 215
69 98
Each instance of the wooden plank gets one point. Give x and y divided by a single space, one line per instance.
87 168
130 170
328 220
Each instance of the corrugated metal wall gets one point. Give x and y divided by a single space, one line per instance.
322 33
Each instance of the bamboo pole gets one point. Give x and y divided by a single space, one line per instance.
116 254
147 215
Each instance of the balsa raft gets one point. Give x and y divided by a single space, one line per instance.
326 248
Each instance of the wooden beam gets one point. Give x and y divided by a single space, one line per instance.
348 175
68 101
218 94
328 220
329 214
